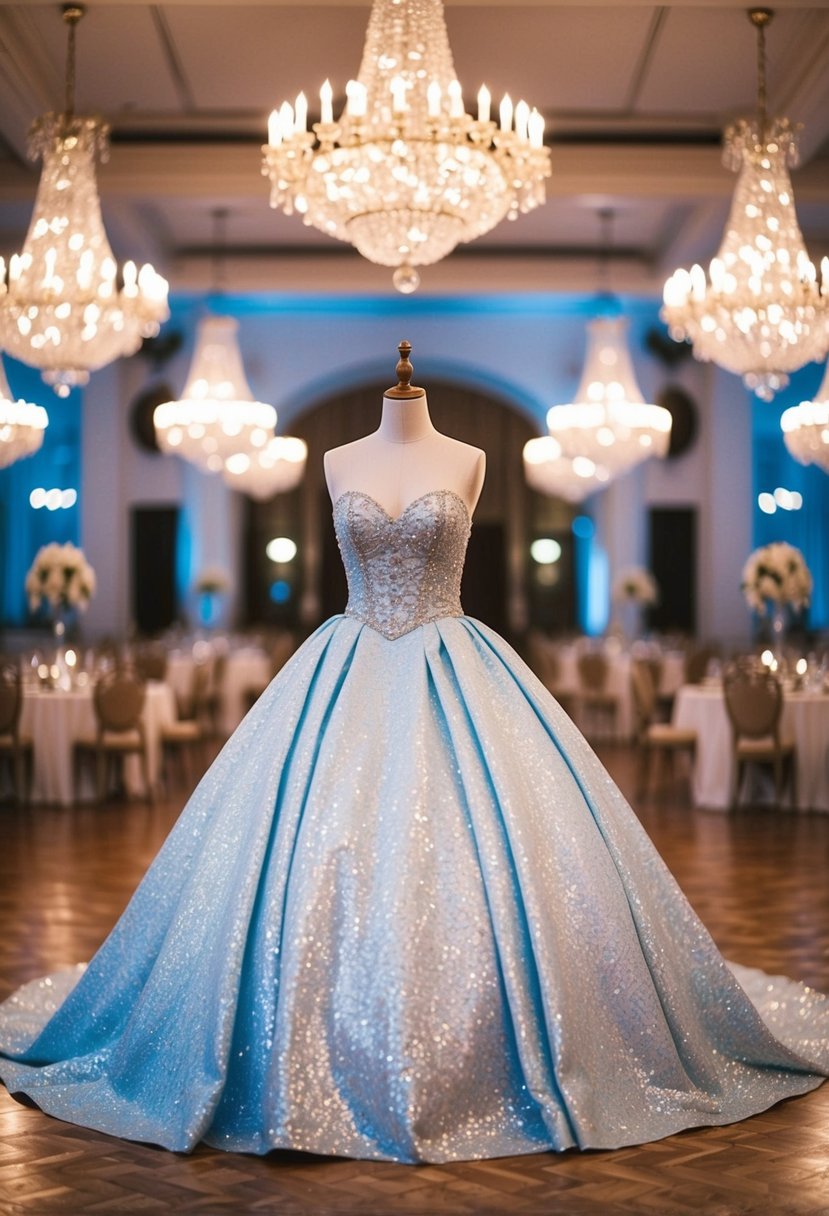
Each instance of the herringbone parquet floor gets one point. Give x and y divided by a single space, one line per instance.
758 879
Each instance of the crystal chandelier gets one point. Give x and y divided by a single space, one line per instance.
21 425
273 469
551 473
216 416
405 174
761 313
64 307
806 428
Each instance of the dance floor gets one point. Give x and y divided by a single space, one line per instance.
757 878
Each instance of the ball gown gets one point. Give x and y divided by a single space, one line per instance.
407 915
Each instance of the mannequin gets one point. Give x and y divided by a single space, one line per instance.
406 457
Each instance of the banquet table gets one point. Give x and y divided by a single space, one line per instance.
246 668
55 719
805 719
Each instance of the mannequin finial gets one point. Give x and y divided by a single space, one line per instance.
404 370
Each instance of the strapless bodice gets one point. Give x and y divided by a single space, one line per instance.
406 571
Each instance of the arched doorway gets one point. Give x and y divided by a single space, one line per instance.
500 585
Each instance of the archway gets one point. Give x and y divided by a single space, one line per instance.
501 585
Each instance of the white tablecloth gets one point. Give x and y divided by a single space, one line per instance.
246 669
701 707
56 719
618 682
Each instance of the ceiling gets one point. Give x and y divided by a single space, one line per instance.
635 98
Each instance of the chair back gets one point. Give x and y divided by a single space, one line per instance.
282 648
11 699
119 700
593 670
753 700
644 693
544 660
151 664
696 663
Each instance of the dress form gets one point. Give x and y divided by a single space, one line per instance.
406 457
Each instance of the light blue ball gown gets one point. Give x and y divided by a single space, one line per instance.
407 915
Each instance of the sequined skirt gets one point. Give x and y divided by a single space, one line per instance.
407 915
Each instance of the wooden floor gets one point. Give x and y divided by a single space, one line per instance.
757 878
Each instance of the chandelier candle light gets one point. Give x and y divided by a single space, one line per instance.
761 313
63 306
22 425
405 174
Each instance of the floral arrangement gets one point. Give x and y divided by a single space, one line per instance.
776 574
635 586
60 576
213 580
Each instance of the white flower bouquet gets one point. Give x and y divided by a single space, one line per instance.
60 576
776 574
213 580
635 586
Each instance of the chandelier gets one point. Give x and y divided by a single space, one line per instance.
216 416
609 422
64 307
551 473
405 174
761 313
273 469
21 425
806 428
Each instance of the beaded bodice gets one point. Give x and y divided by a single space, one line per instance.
406 571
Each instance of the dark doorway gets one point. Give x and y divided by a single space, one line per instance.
673 563
153 547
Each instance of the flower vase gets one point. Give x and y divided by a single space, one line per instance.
778 635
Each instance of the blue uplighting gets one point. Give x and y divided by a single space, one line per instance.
280 591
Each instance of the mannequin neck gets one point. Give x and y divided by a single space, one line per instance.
405 421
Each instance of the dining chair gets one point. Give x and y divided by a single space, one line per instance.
282 646
15 747
184 740
545 662
654 739
151 663
754 703
118 700
696 663
598 705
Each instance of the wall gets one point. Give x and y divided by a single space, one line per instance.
527 348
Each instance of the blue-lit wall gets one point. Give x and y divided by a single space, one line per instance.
808 527
56 466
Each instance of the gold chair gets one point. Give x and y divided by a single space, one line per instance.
14 747
600 707
754 703
546 664
696 663
185 738
282 647
151 663
118 700
659 739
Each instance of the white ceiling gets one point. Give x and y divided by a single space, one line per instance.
634 96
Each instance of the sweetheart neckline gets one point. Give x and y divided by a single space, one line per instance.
395 519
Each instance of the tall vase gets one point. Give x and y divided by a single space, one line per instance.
778 635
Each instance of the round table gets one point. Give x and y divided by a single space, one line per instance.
56 718
701 707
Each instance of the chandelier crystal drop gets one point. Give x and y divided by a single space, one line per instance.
549 472
64 306
22 425
806 428
274 469
216 416
761 311
609 423
405 174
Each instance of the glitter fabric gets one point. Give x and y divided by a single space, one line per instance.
407 915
